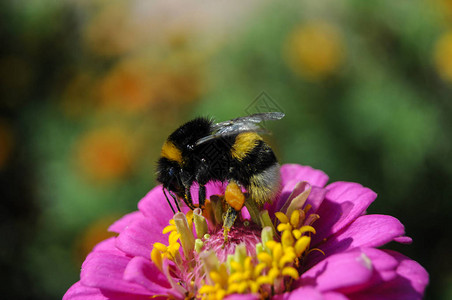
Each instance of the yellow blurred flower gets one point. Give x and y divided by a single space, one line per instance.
443 56
314 50
444 7
104 154
6 143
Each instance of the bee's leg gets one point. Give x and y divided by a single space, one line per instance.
169 203
228 221
235 199
176 201
202 195
187 199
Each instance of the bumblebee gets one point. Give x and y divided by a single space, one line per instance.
231 151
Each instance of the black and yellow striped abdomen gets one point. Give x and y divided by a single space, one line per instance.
255 167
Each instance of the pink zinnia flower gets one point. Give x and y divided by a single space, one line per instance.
324 246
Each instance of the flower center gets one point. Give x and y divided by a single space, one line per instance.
247 234
256 257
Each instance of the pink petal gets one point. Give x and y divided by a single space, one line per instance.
215 188
307 293
384 266
122 223
334 296
412 271
403 240
108 245
81 292
343 203
155 207
143 272
315 198
137 238
409 281
126 296
343 271
245 214
296 173
365 231
105 271
291 175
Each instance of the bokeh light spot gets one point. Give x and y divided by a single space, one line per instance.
315 50
104 154
443 55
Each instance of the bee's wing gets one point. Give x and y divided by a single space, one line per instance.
242 124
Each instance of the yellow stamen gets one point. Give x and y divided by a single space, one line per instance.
264 280
156 257
265 258
290 271
295 218
237 267
287 239
271 244
169 228
259 268
273 273
302 244
216 277
160 247
296 233
277 252
307 208
282 217
288 258
286 226
307 228
173 237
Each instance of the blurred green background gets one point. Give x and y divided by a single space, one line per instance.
89 90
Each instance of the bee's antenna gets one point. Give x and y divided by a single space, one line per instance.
169 203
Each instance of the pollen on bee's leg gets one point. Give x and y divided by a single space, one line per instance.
228 221
234 196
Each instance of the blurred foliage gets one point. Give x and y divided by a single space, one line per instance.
90 89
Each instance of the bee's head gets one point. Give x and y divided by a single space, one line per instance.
169 175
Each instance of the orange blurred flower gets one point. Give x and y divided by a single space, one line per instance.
113 30
137 85
314 50
104 154
6 143
442 56
127 88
